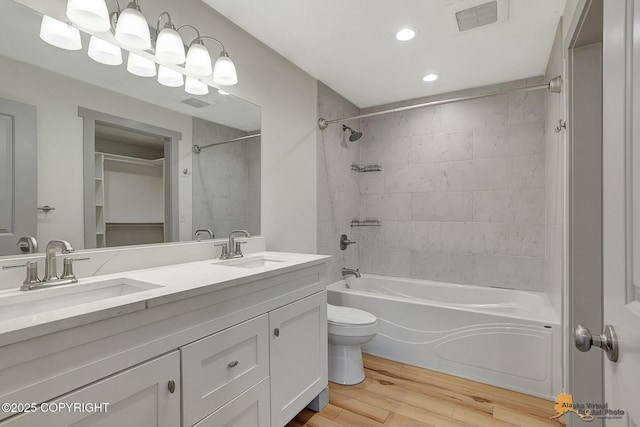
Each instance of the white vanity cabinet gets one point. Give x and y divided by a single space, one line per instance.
250 354
298 355
141 396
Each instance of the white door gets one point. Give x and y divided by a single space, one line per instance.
298 356
621 204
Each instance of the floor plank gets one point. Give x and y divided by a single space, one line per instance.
394 394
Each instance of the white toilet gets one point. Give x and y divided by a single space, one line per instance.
348 329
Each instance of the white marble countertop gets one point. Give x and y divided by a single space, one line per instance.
171 283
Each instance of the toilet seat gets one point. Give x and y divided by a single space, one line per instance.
348 316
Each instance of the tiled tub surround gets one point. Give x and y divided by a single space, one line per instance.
338 186
226 180
462 191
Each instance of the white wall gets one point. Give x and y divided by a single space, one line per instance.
60 143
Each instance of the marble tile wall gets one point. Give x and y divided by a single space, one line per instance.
226 180
462 194
338 189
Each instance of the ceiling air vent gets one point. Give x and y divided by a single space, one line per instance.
477 16
465 15
195 103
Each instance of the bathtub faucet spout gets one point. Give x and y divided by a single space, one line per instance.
350 271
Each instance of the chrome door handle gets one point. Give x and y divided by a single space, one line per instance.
607 341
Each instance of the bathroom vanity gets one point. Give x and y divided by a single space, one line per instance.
241 342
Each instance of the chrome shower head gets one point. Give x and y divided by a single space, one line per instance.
355 135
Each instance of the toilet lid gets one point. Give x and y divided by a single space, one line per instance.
349 316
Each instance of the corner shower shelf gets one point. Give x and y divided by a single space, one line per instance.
366 168
366 223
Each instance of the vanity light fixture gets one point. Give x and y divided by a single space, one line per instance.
60 34
140 66
132 29
430 78
90 15
224 72
195 87
169 77
169 44
104 52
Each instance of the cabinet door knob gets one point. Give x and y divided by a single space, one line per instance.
276 332
233 364
172 386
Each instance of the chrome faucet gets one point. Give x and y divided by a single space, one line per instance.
204 230
50 267
351 272
234 247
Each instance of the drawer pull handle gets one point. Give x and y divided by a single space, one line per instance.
276 332
233 364
172 386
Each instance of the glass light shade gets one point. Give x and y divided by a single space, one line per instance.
59 34
169 77
224 72
195 87
198 61
169 47
132 30
140 66
104 52
91 15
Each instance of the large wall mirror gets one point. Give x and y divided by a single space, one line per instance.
114 153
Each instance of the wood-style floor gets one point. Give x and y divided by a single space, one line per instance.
399 395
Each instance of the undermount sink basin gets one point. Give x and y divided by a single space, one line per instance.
39 301
257 261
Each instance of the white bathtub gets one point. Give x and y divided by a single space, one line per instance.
503 337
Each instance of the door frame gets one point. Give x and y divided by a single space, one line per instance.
171 199
583 373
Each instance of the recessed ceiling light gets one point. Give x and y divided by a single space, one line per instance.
222 92
406 34
430 77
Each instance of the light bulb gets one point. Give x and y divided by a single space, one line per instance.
91 15
195 87
406 34
430 78
198 60
224 72
59 34
104 52
169 47
140 66
132 29
169 77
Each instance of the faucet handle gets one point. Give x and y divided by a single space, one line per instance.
225 250
67 268
32 274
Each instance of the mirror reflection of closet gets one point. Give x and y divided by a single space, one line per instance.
129 183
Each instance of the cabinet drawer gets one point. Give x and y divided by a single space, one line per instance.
218 368
250 409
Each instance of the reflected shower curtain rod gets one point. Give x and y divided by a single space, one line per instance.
198 148
554 85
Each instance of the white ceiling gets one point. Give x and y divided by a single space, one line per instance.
350 44
19 40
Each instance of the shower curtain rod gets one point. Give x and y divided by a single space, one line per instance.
198 148
554 85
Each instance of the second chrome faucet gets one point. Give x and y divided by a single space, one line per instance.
232 248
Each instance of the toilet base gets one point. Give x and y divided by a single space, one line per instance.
345 364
